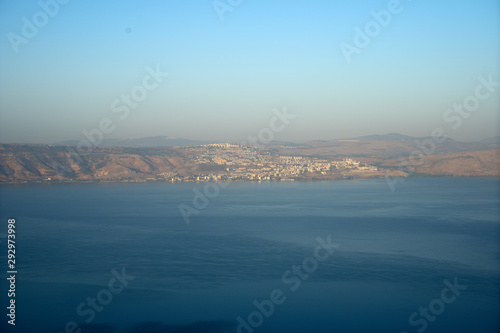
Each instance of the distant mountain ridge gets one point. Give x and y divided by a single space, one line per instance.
384 137
168 141
493 139
151 141
390 145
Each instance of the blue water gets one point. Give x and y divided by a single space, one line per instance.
393 251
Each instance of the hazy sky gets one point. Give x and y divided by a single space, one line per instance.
65 69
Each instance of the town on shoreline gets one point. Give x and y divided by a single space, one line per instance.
222 162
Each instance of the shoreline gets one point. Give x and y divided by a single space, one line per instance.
313 180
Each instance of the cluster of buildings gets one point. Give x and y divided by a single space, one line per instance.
237 163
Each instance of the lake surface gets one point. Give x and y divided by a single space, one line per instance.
251 252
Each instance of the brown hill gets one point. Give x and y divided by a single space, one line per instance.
39 162
474 163
21 163
384 148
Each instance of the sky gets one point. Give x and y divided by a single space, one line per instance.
222 70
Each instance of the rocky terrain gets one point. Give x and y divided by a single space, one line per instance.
377 157
40 162
484 163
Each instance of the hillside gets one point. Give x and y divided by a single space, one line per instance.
34 163
40 162
386 146
476 163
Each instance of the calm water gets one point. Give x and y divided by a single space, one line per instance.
393 253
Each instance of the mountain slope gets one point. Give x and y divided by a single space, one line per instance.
474 163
